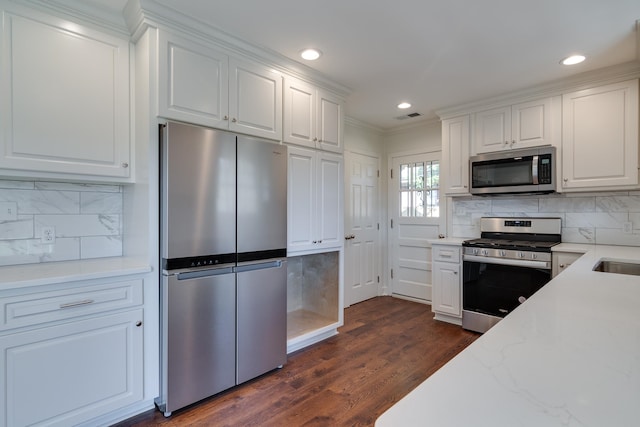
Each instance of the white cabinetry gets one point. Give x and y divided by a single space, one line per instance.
205 86
560 261
314 201
65 103
600 137
523 125
447 282
71 354
312 117
455 155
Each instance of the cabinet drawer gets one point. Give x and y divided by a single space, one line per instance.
446 253
36 308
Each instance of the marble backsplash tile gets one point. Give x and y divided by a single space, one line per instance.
586 217
87 219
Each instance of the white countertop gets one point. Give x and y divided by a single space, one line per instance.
19 276
568 356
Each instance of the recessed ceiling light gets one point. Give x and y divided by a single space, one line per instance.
573 59
310 54
404 105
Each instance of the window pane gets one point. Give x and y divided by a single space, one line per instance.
405 177
418 176
405 203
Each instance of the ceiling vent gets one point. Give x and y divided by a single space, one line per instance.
408 116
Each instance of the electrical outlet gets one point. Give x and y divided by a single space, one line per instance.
48 235
8 211
627 227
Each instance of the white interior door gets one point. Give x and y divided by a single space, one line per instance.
416 215
362 228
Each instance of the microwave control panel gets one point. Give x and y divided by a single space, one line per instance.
544 169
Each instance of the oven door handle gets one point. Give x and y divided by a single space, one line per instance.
545 265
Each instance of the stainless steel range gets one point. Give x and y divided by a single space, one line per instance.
505 266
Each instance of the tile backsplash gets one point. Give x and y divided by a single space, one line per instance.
586 217
86 219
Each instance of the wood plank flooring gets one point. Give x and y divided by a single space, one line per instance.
386 347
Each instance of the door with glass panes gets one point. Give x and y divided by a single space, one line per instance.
416 216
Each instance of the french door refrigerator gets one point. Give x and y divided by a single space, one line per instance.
223 253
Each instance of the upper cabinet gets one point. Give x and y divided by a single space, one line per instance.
65 104
455 155
201 85
312 117
600 137
523 125
314 202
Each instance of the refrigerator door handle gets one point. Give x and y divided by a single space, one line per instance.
258 266
204 273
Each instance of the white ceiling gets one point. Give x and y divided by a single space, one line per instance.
434 54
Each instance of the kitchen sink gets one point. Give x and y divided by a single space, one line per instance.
619 267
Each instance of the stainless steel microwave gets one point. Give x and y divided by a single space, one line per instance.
515 171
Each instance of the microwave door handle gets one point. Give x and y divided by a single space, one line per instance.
534 170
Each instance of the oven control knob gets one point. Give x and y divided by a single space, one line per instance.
503 253
485 252
534 256
475 251
521 254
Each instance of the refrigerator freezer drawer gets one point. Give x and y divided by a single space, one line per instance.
262 320
201 357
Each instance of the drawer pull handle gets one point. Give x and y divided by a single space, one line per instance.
77 303
446 254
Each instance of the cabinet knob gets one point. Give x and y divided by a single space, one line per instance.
314 242
234 120
561 266
455 272
566 179
225 118
506 143
139 323
464 186
125 165
315 139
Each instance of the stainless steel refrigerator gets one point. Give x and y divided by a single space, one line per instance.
223 253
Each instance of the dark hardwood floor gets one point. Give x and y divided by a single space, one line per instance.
386 347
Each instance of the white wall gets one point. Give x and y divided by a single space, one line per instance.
417 138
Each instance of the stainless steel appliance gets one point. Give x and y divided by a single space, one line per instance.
223 253
514 171
505 266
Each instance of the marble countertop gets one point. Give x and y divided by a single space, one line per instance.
568 356
20 276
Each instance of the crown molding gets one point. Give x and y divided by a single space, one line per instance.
141 14
78 11
612 74
351 121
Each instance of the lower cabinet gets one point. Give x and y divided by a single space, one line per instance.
446 280
562 260
78 360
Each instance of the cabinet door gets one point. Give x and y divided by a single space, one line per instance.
193 82
446 288
255 100
562 260
66 374
531 124
600 137
299 113
301 193
455 155
329 122
65 102
492 130
329 201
